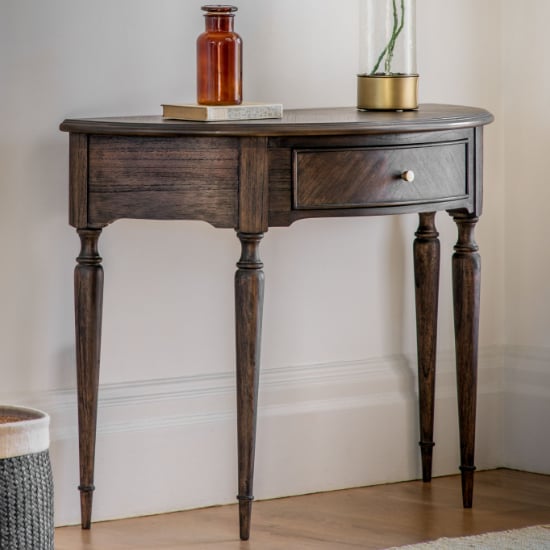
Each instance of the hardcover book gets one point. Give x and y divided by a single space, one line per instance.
244 111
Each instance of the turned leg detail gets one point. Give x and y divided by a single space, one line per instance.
426 276
88 292
466 291
249 290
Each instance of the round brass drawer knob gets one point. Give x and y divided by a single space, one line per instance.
408 175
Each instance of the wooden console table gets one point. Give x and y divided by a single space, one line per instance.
251 175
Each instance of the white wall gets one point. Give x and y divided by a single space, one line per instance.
526 86
336 358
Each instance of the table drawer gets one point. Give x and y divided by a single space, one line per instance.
372 176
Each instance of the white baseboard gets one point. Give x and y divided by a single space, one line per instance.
526 409
170 444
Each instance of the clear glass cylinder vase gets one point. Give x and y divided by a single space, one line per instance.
388 78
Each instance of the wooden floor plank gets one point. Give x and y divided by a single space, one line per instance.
369 518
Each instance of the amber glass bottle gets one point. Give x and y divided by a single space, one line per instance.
219 59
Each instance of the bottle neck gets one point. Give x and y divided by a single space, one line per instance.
219 22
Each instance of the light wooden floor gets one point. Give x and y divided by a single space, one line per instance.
367 518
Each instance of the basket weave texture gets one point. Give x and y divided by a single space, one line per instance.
26 502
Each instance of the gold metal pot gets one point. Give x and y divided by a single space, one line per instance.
387 92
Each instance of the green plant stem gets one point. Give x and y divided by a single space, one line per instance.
388 51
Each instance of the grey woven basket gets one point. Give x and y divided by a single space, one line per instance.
26 485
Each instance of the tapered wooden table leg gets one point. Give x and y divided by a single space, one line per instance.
466 289
88 279
249 291
426 276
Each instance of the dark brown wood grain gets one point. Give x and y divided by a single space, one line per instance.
466 294
426 279
324 122
78 178
163 179
476 160
362 171
253 186
364 177
249 293
88 287
252 175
